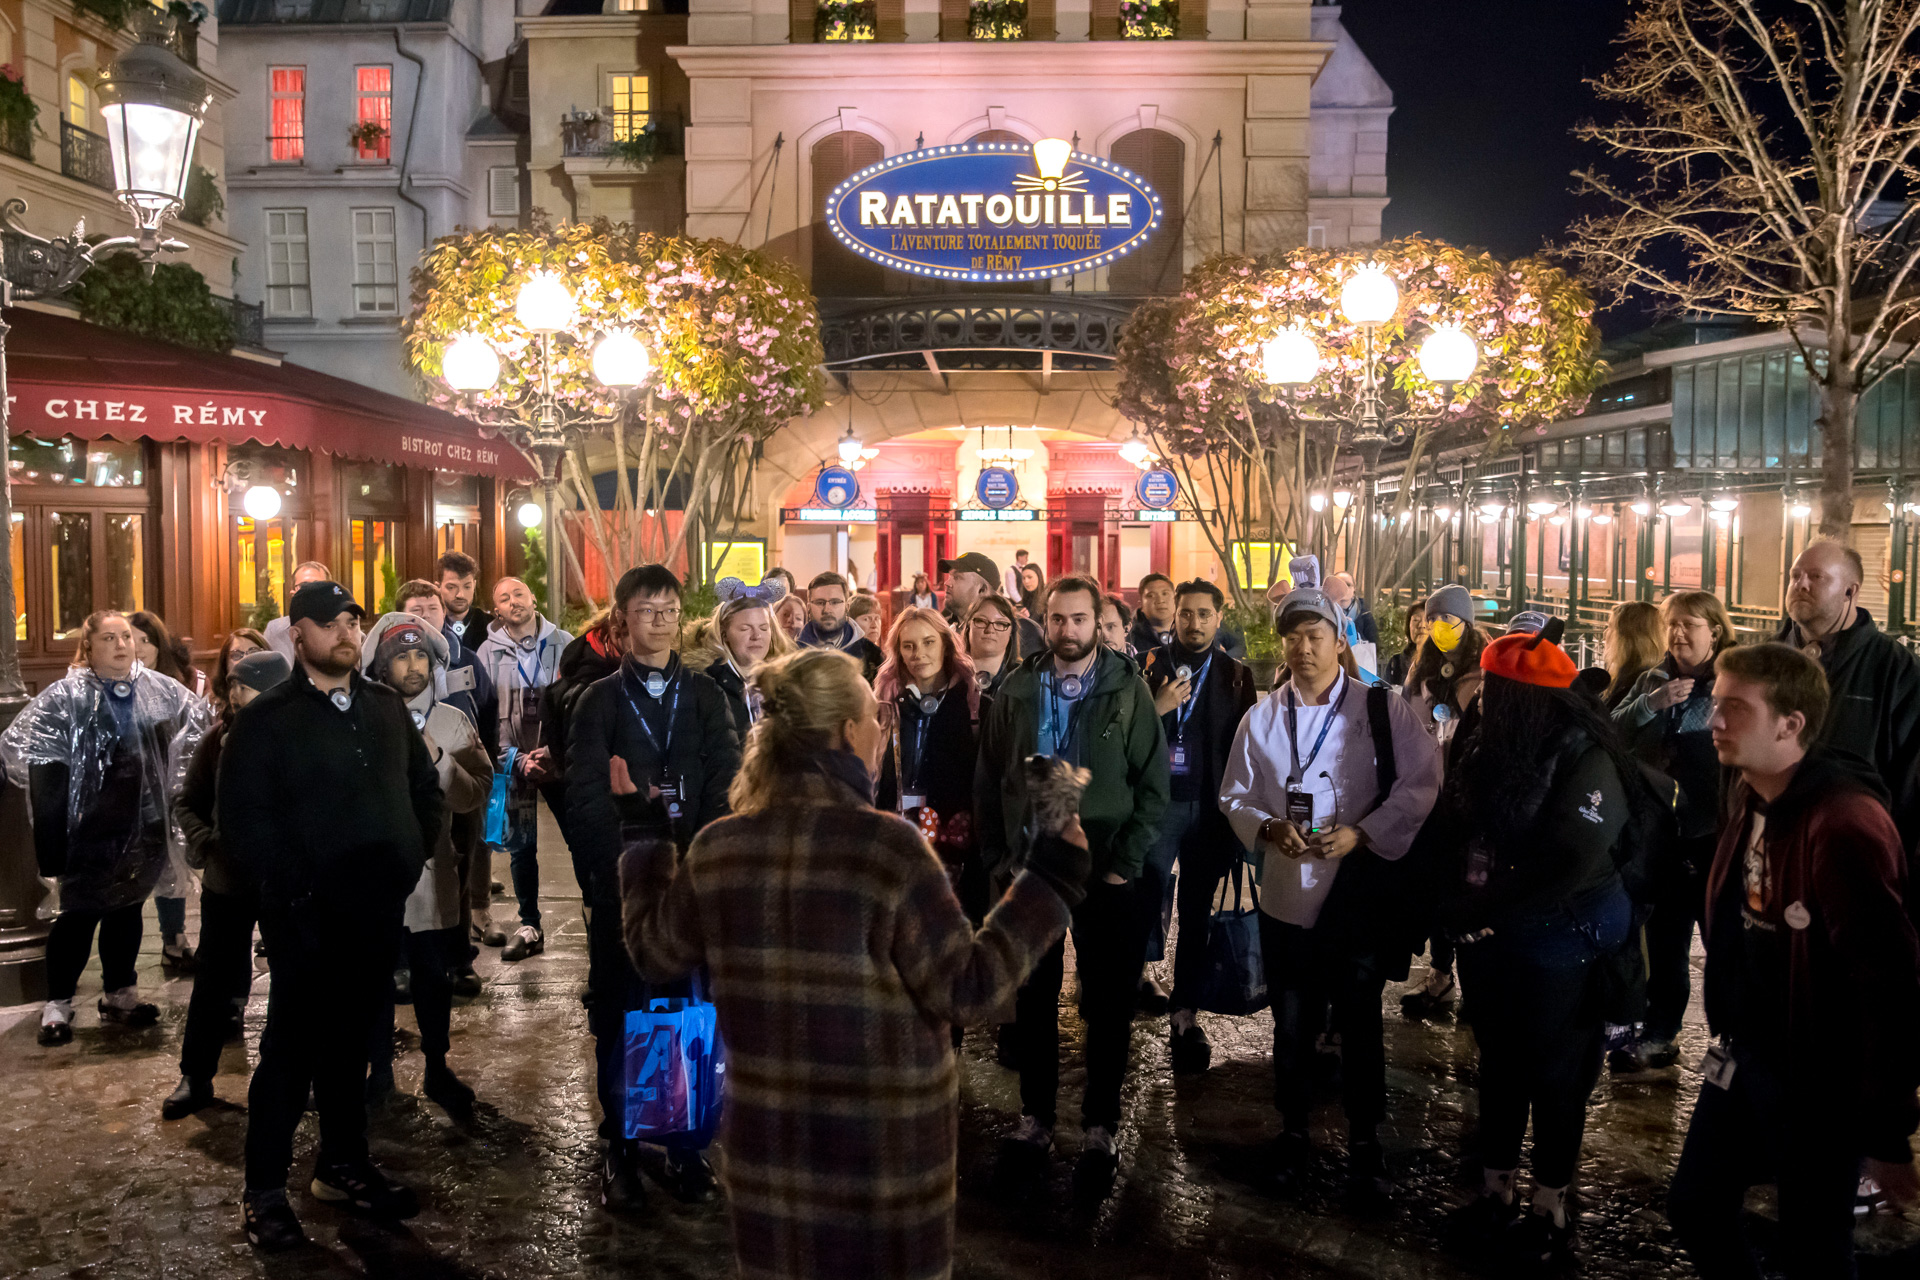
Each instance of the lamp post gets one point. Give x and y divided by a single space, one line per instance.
154 104
538 424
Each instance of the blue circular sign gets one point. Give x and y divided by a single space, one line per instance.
836 487
990 211
1157 489
997 488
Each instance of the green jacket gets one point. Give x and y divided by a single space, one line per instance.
1119 739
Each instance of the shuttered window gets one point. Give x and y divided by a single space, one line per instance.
837 270
503 191
1156 266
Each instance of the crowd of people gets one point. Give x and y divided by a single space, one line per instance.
856 842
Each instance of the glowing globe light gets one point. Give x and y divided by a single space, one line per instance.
529 515
1369 296
1317 501
849 447
544 303
1542 507
1448 355
262 502
1674 509
470 364
1799 511
1725 504
1642 508
1342 499
621 360
1603 518
1443 514
1289 358
1135 450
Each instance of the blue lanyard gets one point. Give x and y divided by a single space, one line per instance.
531 681
1293 731
923 720
1184 712
1063 741
661 748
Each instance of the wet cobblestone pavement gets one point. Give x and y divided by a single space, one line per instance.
94 1184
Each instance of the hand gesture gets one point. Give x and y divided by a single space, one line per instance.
1172 694
619 779
1670 694
1073 833
1286 837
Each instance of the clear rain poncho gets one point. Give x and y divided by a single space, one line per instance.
120 781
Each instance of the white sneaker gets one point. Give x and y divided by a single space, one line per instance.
56 1011
1032 1133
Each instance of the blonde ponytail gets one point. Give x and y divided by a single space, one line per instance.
805 698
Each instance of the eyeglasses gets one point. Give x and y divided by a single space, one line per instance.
645 613
991 627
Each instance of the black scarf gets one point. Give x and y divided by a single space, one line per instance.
844 766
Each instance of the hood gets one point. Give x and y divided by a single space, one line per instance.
497 631
370 647
1826 771
588 657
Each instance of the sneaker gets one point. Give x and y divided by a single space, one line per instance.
466 983
56 1023
621 1190
1645 1056
689 1178
1533 1243
260 948
1152 998
1867 1197
1190 1051
1476 1227
1430 998
176 957
188 1096
484 931
1367 1170
124 1008
1099 1163
360 1185
454 1095
270 1221
499 890
526 941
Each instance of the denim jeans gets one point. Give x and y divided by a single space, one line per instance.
1537 1016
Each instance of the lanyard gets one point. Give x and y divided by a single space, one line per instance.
1063 741
661 748
1293 731
923 721
747 695
1184 712
531 681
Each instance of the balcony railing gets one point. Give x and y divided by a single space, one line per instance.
977 331
255 13
85 157
249 322
636 137
16 138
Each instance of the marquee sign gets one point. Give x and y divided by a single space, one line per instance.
994 211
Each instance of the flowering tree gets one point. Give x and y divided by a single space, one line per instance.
1192 369
732 335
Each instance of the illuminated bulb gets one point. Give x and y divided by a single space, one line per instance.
621 360
1674 509
1050 158
529 515
849 447
1135 450
1725 504
1317 501
470 364
1799 511
1443 514
1369 296
262 502
1541 507
1289 358
1721 517
1448 355
1492 510
1582 511
1603 517
1557 521
544 304
1342 499
1642 508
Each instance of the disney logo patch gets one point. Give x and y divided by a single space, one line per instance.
1591 809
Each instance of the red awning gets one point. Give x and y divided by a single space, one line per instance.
67 377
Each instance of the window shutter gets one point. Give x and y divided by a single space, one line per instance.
800 18
503 191
953 19
890 21
837 270
1105 23
1158 265
1040 19
1193 20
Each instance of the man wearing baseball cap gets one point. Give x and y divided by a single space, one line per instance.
329 798
971 577
1326 782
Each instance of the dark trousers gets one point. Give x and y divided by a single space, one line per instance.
1309 975
1669 934
1109 945
425 954
1182 836
223 973
617 987
321 1012
70 942
173 915
1537 1016
1759 1129
523 861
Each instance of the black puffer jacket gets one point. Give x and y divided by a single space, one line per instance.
589 657
193 813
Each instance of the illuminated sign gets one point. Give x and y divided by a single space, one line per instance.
836 487
997 488
1156 517
1023 514
994 211
829 515
1157 488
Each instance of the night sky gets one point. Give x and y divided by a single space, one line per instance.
1486 93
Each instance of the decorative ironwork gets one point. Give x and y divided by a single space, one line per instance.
249 322
977 331
85 156
254 13
637 137
16 138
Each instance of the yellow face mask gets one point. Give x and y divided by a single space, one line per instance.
1446 632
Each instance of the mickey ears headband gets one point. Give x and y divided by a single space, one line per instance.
731 589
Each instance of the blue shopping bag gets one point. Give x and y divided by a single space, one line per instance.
1236 977
675 1068
496 832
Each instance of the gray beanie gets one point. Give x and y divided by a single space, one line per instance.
1451 600
260 670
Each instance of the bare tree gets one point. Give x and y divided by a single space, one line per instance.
1768 136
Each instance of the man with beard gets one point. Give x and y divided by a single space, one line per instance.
409 655
521 656
1201 695
329 798
1874 711
971 577
1078 701
459 576
828 626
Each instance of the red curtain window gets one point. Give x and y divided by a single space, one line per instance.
287 143
373 87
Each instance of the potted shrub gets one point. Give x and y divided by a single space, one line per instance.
368 136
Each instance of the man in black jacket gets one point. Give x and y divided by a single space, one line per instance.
1875 706
330 801
829 627
1201 695
672 727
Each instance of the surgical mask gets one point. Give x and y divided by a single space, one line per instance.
1446 633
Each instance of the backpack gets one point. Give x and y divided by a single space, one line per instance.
1377 907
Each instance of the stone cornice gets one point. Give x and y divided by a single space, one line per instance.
877 66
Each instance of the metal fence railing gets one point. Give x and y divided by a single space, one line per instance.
85 156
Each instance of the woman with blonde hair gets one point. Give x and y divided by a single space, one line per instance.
742 635
1632 643
838 957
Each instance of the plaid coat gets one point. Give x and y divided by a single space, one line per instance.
838 957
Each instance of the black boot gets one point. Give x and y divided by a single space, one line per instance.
688 1177
442 1086
621 1190
187 1097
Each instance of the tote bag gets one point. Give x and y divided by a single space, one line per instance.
674 1070
496 830
1236 978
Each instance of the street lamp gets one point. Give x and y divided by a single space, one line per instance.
849 446
1136 451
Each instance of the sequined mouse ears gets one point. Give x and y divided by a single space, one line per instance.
731 589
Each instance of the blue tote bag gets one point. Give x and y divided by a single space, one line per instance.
675 1068
496 829
1236 977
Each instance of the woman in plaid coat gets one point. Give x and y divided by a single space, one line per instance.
839 957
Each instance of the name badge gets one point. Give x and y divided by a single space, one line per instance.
670 792
1300 809
1717 1066
1177 758
909 803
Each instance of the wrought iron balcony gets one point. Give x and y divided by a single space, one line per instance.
85 156
249 322
636 137
16 138
975 331
305 12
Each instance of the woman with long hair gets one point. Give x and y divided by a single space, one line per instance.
1033 591
1631 645
1416 636
992 635
1665 721
1534 806
155 645
921 594
742 635
240 642
838 957
93 751
790 611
